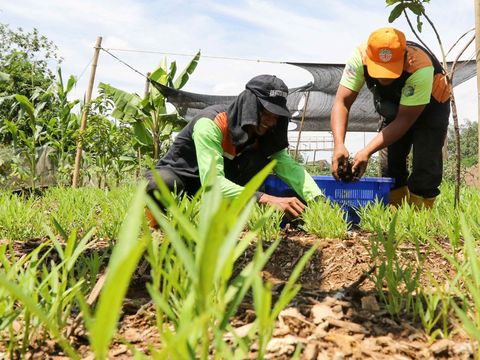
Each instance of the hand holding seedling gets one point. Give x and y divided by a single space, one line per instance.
291 206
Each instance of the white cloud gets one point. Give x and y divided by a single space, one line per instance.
324 31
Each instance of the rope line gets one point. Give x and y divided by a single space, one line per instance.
78 79
123 62
203 56
214 57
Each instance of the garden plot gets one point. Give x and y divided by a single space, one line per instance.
334 313
208 286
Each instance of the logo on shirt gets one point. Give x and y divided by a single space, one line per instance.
350 71
408 90
385 55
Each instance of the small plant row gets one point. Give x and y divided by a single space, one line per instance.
192 285
82 209
414 224
408 289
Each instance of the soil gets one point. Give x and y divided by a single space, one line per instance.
471 176
337 313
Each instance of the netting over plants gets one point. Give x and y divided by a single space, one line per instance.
326 78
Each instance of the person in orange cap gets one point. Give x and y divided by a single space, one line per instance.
411 95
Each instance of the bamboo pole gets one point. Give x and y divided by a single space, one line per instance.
477 47
145 93
301 126
78 158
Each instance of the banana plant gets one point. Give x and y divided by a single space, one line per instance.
43 127
151 122
62 127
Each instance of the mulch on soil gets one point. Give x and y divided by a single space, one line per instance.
335 315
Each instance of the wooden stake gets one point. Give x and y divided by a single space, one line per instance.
477 47
301 126
78 158
139 154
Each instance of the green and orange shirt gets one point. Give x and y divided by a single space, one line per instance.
422 81
213 137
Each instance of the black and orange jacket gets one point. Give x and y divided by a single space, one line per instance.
416 57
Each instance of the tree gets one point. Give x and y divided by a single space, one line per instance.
416 6
468 140
24 62
46 126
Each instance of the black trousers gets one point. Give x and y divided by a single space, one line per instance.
425 138
240 170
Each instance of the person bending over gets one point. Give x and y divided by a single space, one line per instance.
244 137
412 97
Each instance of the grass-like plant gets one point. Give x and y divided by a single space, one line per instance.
262 296
400 275
437 300
324 219
192 274
21 216
375 216
44 290
74 209
271 229
466 284
123 261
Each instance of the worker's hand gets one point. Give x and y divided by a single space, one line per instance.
339 160
360 162
291 206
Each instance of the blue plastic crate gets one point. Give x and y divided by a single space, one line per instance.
349 196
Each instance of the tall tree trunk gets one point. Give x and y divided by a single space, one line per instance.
457 141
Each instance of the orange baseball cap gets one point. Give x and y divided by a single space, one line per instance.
385 53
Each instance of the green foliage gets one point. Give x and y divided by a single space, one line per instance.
148 116
415 6
437 306
192 272
17 211
62 126
44 290
324 219
37 128
401 274
375 216
24 57
108 145
373 167
422 224
466 283
468 142
271 229
125 257
79 209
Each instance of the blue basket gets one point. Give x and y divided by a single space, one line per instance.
349 196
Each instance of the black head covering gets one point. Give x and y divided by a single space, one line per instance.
247 110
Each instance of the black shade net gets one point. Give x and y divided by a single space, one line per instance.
326 78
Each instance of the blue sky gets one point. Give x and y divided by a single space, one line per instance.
324 31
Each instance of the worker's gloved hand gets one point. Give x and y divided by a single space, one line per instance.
339 161
291 206
360 162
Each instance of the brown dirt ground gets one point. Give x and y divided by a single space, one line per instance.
471 176
336 314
